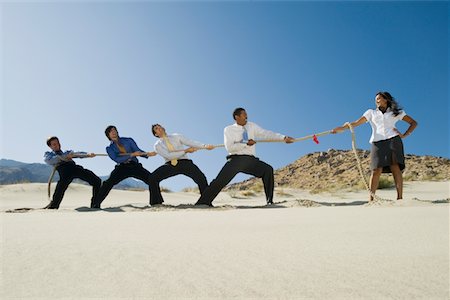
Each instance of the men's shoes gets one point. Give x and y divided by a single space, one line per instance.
50 207
204 204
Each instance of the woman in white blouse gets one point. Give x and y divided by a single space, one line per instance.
386 155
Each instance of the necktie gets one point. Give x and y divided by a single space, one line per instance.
169 145
245 136
121 148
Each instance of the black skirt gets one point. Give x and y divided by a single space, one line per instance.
386 153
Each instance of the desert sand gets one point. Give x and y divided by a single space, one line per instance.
307 246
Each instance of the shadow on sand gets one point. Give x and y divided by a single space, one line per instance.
277 205
169 207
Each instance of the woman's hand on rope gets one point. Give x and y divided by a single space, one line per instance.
337 129
347 125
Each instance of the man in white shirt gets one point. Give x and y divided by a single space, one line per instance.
239 140
172 148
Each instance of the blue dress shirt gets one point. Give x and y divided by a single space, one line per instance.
130 146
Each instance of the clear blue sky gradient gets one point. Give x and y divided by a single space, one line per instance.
72 69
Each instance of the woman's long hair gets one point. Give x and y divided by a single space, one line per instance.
391 102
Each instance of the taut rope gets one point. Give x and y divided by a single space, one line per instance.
312 136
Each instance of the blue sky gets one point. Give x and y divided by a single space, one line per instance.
71 69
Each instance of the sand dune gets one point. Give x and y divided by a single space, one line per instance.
306 246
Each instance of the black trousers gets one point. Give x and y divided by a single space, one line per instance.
247 164
68 172
121 172
185 167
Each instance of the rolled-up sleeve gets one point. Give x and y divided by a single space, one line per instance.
51 158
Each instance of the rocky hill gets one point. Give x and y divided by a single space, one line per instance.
337 169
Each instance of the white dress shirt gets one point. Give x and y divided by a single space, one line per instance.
178 142
233 138
382 124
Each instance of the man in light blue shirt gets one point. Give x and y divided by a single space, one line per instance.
68 171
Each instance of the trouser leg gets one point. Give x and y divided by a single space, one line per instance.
163 172
264 171
139 172
189 169
92 179
117 175
60 189
226 174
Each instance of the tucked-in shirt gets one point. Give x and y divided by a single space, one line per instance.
178 142
382 124
55 158
130 146
234 135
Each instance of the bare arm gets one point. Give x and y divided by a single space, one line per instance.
412 125
356 123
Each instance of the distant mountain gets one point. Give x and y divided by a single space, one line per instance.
337 170
12 172
10 163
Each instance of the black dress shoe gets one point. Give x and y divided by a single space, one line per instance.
206 204
50 207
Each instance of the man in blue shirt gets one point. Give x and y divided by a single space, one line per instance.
124 152
68 171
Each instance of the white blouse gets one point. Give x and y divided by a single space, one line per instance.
382 124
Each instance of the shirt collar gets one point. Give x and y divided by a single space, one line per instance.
387 110
240 126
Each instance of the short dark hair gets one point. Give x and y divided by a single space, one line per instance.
153 128
237 112
50 139
108 130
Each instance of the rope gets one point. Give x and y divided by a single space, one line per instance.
281 141
49 184
360 168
